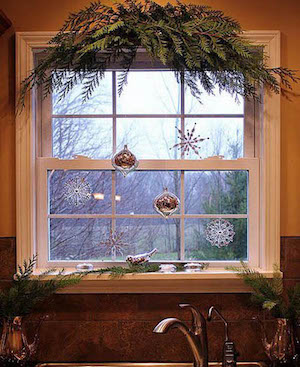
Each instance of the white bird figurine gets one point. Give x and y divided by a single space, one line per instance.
140 258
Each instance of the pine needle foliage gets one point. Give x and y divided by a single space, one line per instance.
27 292
119 271
270 293
201 44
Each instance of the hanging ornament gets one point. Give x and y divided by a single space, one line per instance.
114 244
219 232
125 161
77 191
166 203
140 258
189 141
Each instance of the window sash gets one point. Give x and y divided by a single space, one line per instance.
250 138
46 164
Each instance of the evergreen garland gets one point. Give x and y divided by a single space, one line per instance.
269 293
120 271
196 42
116 272
27 292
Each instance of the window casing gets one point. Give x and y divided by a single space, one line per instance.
268 165
68 235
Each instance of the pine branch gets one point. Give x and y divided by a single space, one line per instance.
29 292
268 293
203 43
127 60
26 271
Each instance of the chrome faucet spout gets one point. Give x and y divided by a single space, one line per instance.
200 355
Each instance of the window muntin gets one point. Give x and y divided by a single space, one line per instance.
99 132
76 232
145 117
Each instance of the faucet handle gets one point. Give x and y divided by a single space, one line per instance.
198 321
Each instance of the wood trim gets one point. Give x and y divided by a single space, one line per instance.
147 285
270 152
144 164
213 281
27 43
25 156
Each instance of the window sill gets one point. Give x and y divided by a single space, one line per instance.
212 281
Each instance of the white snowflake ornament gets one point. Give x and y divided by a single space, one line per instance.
77 191
219 232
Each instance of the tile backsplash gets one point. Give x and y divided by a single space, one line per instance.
118 327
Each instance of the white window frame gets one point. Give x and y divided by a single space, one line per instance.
44 131
266 197
50 164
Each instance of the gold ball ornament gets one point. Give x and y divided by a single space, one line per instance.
166 203
125 161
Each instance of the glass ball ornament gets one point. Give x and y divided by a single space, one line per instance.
166 203
125 161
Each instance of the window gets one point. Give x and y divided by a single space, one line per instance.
44 162
147 118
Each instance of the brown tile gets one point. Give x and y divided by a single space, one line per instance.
235 307
247 337
158 306
118 327
215 334
4 284
245 334
290 257
139 343
129 337
111 307
135 341
289 283
90 307
79 341
7 257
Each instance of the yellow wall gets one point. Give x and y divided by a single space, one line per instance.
42 15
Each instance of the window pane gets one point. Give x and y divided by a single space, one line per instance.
100 101
215 192
86 239
197 247
147 92
220 103
226 137
78 239
79 192
138 190
149 138
145 234
89 137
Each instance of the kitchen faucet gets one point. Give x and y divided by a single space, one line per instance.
196 335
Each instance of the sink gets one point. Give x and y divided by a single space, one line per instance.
145 364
